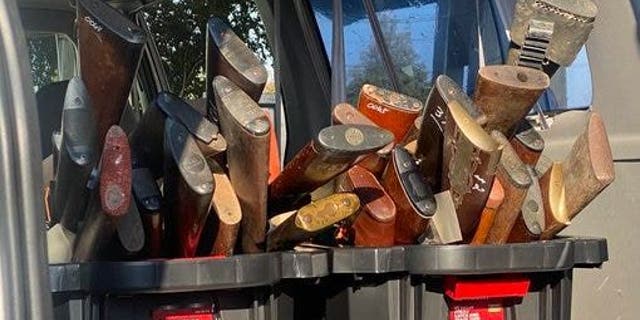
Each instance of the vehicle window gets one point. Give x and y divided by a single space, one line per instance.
425 39
52 57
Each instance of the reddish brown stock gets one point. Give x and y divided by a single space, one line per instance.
515 180
344 113
110 47
496 197
246 128
374 225
275 167
470 159
588 167
414 200
431 134
188 188
505 94
527 143
552 187
334 151
113 197
227 209
390 110
531 221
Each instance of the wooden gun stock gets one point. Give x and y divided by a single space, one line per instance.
228 56
506 94
413 132
390 110
113 198
444 227
374 225
149 203
430 138
228 212
246 128
488 216
78 156
188 188
527 143
531 221
552 186
334 151
515 180
470 159
412 195
588 167
312 220
346 114
110 48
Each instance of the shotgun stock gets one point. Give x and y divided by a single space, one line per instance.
488 216
188 188
552 186
77 158
412 134
506 94
589 166
130 231
431 135
390 110
532 219
149 203
546 34
344 113
444 227
228 212
333 152
246 128
414 200
470 158
374 225
110 48
515 180
527 143
312 220
228 56
113 198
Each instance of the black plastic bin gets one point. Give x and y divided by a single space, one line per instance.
409 282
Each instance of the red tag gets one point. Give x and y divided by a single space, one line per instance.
184 314
480 310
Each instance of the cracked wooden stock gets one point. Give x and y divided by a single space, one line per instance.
390 110
505 94
312 220
374 225
112 197
246 128
110 48
469 163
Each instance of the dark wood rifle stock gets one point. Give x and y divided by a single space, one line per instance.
334 151
506 94
312 220
112 199
496 198
246 128
228 56
344 113
390 110
110 48
228 212
430 138
515 180
470 159
412 195
374 225
188 188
